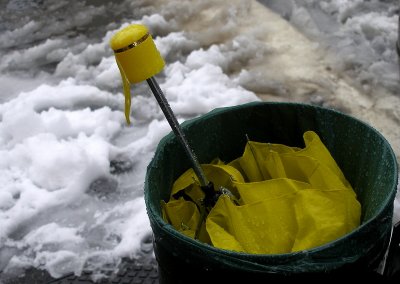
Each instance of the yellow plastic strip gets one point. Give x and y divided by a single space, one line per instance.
127 93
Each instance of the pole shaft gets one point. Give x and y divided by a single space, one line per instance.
176 128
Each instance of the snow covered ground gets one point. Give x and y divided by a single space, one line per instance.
72 171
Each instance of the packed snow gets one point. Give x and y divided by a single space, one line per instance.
72 170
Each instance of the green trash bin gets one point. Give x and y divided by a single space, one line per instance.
362 153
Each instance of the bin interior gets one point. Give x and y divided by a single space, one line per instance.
362 153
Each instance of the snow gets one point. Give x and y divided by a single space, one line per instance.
72 171
362 34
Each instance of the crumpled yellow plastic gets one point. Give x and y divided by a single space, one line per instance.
290 199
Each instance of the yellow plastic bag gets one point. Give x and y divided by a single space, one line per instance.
183 215
290 199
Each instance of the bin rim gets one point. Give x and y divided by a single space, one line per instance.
158 220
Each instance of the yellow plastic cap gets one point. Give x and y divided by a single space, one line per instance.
137 57
136 53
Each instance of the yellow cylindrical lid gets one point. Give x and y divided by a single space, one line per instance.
136 53
137 57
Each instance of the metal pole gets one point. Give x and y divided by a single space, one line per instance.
176 128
